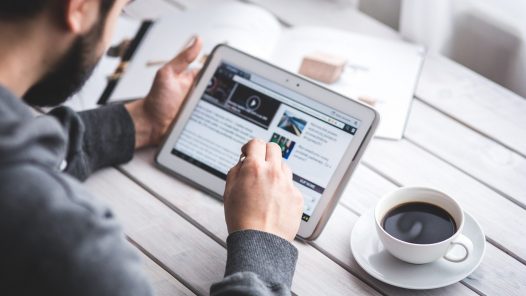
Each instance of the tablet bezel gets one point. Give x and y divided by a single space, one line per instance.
212 184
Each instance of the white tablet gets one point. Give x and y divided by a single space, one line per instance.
237 98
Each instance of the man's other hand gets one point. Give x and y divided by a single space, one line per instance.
260 195
152 115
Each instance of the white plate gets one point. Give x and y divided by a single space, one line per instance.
375 260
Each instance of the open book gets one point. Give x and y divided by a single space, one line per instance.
386 71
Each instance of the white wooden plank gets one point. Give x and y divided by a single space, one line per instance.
363 190
498 272
502 220
162 282
315 273
474 100
194 257
479 156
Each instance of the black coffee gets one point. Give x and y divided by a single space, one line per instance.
419 223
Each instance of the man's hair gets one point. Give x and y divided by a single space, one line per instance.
15 10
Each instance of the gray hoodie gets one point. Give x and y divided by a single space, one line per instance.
57 239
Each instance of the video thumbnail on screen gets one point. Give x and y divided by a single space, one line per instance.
240 99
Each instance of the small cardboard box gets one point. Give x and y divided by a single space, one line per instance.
322 67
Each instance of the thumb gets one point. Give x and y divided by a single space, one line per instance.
181 62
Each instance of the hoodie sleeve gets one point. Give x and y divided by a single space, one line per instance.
97 138
258 263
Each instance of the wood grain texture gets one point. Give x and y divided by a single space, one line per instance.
475 101
315 273
365 189
502 220
162 282
193 257
491 163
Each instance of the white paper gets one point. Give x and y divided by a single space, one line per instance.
246 27
385 70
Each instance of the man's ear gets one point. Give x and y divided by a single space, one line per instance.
81 15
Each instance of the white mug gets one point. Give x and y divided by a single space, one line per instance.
423 253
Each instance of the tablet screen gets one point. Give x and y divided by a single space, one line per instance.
238 106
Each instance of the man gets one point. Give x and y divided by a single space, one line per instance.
56 239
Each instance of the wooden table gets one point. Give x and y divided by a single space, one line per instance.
465 136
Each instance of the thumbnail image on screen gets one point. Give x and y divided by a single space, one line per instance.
284 143
292 124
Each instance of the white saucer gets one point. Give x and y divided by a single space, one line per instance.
375 260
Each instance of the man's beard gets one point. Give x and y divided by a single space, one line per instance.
70 73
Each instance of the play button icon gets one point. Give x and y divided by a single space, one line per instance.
253 103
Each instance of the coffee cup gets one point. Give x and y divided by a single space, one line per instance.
420 225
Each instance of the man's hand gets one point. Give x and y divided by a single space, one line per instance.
152 116
260 195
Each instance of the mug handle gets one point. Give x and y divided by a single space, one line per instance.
465 243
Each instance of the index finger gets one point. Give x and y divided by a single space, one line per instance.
274 153
255 149
187 56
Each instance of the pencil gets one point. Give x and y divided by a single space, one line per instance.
156 63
